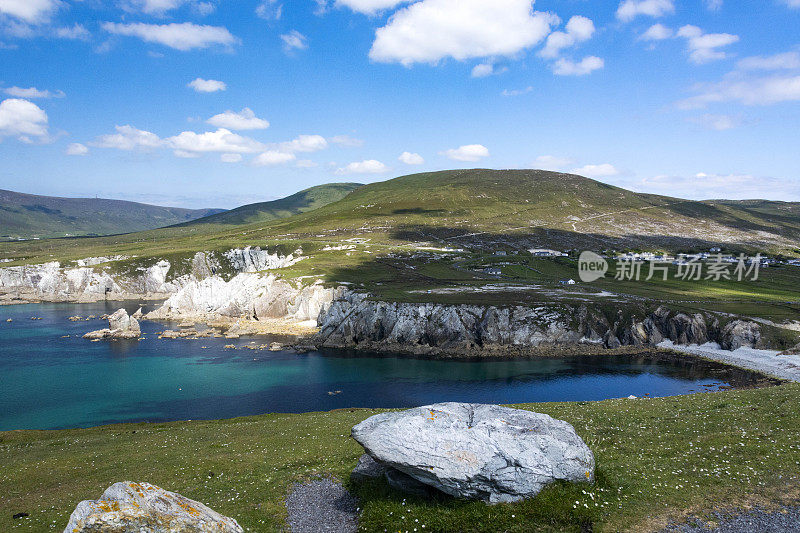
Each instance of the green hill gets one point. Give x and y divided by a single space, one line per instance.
26 216
300 202
479 209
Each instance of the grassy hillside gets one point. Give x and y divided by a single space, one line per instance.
300 202
657 459
29 216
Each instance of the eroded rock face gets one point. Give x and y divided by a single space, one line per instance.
120 326
140 507
738 334
476 451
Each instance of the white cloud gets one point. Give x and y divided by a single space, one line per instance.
306 163
704 47
77 149
553 163
272 158
704 186
207 86
22 119
596 171
579 29
347 141
222 140
294 40
128 138
657 32
482 70
792 3
469 152
411 159
630 9
517 92
160 7
77 32
304 143
713 5
431 30
32 92
716 122
230 158
30 11
786 61
369 166
567 67
369 7
747 91
244 120
180 36
269 10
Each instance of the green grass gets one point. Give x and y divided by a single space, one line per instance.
656 459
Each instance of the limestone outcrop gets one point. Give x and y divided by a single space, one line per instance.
355 320
120 326
474 451
136 507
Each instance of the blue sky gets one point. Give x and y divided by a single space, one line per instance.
218 103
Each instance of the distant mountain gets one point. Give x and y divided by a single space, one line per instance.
27 216
300 202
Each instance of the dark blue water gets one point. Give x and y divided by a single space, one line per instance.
52 378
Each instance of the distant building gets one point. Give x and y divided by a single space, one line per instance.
543 252
567 282
494 271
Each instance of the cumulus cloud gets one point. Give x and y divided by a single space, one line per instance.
244 120
704 47
578 30
222 140
630 9
77 32
369 166
517 92
294 40
748 91
792 3
77 149
411 158
304 143
347 141
553 163
230 158
716 122
272 158
23 120
269 10
369 7
431 30
469 152
482 70
29 11
657 32
713 5
786 61
596 171
128 138
180 36
32 93
207 86
567 67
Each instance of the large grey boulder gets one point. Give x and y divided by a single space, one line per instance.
475 451
740 333
120 326
128 507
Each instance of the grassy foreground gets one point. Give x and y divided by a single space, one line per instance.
656 460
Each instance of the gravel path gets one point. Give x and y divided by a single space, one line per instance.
755 521
322 506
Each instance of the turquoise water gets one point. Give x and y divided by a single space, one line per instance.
52 378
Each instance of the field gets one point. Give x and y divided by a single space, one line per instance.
657 460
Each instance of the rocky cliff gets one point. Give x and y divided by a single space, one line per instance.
354 320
